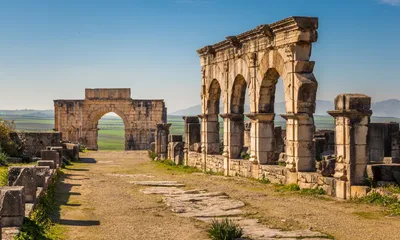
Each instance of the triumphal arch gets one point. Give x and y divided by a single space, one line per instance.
252 63
78 119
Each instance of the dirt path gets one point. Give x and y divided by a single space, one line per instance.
98 202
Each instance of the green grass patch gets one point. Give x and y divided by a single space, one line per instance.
3 176
224 230
293 187
171 166
391 204
312 191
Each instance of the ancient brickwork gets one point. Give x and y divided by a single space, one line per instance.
252 63
78 119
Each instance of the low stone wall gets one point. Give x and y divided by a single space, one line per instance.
316 180
246 168
195 160
31 143
215 163
26 185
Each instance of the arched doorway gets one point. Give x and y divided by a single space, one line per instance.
111 133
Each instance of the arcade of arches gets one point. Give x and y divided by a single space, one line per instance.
77 120
251 63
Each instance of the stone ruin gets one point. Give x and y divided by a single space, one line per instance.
26 185
251 63
77 120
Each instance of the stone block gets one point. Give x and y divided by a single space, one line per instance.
359 191
48 163
341 189
12 206
26 177
51 155
358 102
41 173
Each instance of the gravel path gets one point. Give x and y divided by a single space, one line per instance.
99 200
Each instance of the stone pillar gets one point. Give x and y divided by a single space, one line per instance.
210 133
233 138
161 148
395 147
262 148
300 153
352 116
192 134
247 135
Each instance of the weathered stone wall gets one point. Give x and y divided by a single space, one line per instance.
194 160
31 143
215 163
382 141
78 119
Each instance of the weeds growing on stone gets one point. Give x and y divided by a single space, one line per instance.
265 180
312 191
225 230
152 155
4 177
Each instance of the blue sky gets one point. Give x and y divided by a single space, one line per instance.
54 49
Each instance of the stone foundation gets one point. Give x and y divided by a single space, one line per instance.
31 143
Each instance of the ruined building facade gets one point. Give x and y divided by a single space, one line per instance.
77 120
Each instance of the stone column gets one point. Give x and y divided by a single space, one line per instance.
352 116
210 133
192 134
162 132
233 137
262 148
300 153
395 145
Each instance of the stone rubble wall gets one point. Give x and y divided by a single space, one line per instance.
31 143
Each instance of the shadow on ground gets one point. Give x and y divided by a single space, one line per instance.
63 194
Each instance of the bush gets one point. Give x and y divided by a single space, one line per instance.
225 230
245 156
6 143
3 159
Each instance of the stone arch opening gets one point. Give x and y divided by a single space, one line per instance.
238 95
111 133
116 138
214 126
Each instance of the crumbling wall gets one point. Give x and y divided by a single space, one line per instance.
31 143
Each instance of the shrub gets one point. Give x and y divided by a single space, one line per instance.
3 159
245 156
225 230
265 180
152 154
6 143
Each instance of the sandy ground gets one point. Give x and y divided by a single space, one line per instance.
98 202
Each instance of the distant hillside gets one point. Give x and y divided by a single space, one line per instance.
388 108
322 107
27 112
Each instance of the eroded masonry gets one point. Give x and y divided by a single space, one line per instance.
77 120
252 63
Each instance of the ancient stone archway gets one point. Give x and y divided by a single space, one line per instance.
78 119
257 59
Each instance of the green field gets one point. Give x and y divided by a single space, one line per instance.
111 129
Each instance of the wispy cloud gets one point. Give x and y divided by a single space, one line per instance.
391 2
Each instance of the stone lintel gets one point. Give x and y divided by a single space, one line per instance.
350 113
233 116
261 117
191 119
297 116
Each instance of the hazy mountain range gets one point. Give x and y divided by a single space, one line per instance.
387 108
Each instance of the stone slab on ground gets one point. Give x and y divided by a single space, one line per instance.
158 183
130 175
212 204
169 191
